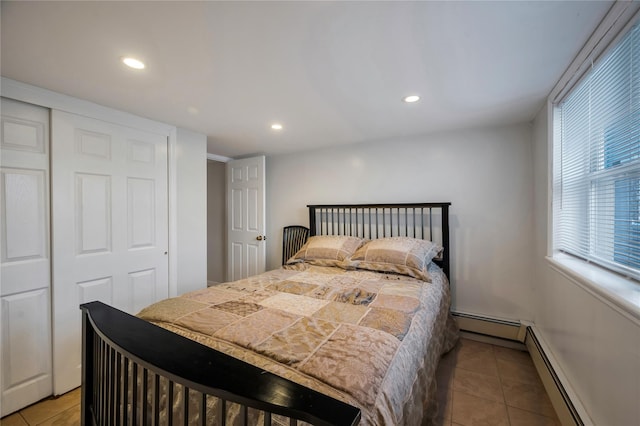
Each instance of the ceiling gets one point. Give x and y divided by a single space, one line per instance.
330 72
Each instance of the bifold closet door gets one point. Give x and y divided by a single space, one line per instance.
110 227
25 298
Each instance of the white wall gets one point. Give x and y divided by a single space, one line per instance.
596 344
485 173
191 196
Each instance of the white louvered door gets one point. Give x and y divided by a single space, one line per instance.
110 223
25 298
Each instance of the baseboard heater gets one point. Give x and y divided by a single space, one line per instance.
562 402
518 332
492 327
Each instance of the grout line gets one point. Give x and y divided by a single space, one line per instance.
504 398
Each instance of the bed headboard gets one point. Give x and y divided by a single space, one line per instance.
427 221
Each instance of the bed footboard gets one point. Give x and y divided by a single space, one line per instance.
134 372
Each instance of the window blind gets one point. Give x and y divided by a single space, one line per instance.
597 162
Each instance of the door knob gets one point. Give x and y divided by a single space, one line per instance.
260 238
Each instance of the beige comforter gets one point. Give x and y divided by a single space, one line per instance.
369 339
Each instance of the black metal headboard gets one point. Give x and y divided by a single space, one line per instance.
427 221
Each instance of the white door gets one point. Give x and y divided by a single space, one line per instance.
246 217
25 299
110 227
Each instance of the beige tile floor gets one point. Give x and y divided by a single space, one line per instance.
478 384
483 384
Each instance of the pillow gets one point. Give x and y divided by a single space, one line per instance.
400 255
327 250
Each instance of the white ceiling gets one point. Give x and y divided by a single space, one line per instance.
330 72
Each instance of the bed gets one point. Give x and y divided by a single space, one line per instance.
349 331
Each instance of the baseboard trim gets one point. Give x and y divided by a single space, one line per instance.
565 402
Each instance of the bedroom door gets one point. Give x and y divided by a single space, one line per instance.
25 298
110 227
246 217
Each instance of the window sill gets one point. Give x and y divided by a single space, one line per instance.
622 294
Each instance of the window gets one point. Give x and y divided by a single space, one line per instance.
597 162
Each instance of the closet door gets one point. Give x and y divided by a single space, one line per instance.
25 299
110 227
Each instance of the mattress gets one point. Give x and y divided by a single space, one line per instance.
372 340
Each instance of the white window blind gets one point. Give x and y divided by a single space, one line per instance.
597 162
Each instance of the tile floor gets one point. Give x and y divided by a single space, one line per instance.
478 384
483 384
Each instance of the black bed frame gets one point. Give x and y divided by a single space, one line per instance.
426 221
125 359
130 365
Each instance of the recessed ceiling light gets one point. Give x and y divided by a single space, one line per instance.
133 63
276 126
411 98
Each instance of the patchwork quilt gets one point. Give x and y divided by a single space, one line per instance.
369 339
